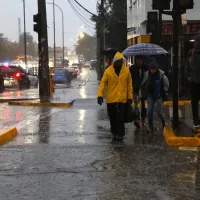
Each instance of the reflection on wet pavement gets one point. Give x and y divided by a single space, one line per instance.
69 154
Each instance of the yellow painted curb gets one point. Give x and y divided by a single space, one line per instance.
7 135
175 141
180 103
45 104
170 103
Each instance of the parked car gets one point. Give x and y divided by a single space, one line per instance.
61 76
17 77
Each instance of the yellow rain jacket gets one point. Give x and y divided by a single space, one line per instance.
118 89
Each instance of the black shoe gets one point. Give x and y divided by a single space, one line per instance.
163 124
137 125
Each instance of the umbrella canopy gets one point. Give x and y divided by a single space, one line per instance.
144 49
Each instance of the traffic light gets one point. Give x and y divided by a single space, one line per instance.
37 23
161 5
186 4
152 22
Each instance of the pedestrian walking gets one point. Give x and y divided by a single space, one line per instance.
193 76
118 83
136 73
154 87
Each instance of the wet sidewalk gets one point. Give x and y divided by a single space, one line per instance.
64 154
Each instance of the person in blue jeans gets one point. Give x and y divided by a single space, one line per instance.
154 88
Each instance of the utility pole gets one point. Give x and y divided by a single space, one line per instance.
25 43
54 34
175 15
102 37
41 29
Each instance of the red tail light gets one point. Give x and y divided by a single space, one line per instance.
17 75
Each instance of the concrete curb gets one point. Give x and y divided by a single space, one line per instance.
44 104
175 141
7 135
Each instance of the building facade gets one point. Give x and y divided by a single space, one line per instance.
137 22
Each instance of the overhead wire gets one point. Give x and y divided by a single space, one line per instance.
81 17
84 8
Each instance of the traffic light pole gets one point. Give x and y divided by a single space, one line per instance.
25 42
102 38
44 86
160 27
175 15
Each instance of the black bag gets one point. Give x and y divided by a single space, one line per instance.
130 115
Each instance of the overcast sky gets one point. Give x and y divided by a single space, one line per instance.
11 10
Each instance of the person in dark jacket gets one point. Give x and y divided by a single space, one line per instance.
135 71
193 76
154 87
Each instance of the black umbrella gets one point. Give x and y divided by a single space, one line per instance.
110 51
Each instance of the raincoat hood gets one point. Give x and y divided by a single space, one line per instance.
118 56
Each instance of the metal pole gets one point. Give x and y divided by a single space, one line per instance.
63 30
44 86
102 34
63 38
160 27
54 34
175 65
25 43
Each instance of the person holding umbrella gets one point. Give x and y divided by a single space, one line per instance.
118 83
154 88
145 50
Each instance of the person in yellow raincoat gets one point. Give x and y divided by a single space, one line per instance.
118 84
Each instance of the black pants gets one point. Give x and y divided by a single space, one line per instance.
116 113
195 90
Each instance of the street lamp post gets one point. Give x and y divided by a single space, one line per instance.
63 33
25 46
54 33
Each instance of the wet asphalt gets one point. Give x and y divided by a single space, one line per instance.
63 154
